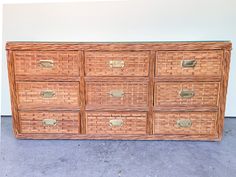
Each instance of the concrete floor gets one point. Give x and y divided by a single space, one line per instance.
84 158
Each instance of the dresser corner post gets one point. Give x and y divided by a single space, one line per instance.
13 93
223 90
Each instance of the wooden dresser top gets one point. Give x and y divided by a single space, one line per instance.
167 45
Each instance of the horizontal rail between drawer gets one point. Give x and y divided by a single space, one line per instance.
48 109
47 78
115 108
116 78
186 79
186 108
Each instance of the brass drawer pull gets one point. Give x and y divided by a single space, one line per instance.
117 63
186 93
188 63
47 94
184 123
49 122
116 123
46 63
117 93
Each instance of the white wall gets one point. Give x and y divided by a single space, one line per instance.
140 20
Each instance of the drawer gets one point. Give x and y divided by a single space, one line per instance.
49 122
186 94
48 95
188 123
120 63
189 63
116 123
117 94
47 63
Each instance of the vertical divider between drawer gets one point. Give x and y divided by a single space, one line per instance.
82 94
151 92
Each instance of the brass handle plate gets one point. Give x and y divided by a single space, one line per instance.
116 123
117 93
188 63
117 63
49 122
46 63
186 93
47 94
184 123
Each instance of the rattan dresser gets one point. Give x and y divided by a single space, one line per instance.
141 90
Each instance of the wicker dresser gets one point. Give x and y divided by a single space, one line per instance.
143 90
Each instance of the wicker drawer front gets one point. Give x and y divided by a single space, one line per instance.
116 123
189 63
48 95
185 123
117 63
49 122
47 63
117 94
186 94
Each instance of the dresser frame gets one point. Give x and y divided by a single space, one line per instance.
153 47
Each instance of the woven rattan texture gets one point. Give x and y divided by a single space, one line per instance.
168 93
32 122
135 93
99 123
66 94
202 122
65 63
168 63
135 63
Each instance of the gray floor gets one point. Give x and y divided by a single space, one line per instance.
83 158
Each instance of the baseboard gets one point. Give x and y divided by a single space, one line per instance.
5 116
230 117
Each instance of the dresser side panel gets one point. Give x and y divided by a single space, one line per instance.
13 93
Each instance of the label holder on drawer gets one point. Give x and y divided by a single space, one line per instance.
46 64
116 63
188 63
